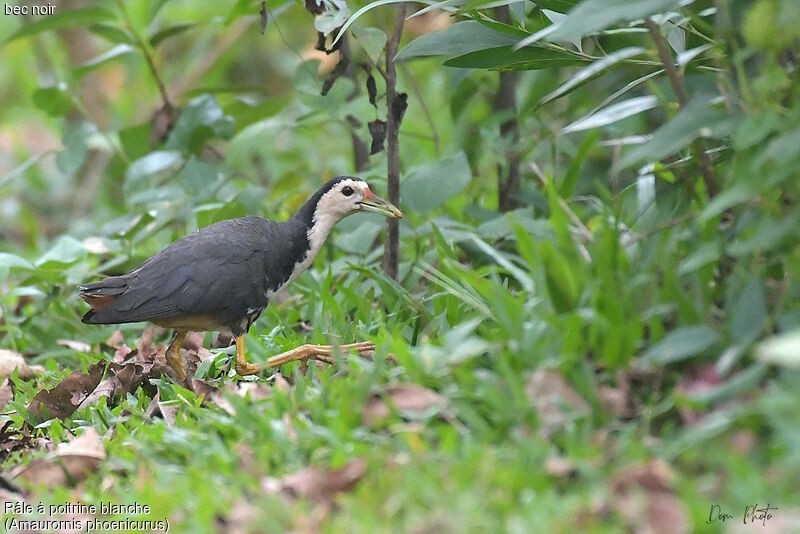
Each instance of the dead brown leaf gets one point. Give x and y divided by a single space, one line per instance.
319 484
6 393
157 408
644 496
558 466
67 396
10 360
67 465
555 400
116 339
408 398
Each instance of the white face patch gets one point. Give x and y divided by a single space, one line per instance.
332 207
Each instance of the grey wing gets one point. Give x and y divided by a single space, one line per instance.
217 273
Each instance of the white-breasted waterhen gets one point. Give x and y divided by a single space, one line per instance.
221 277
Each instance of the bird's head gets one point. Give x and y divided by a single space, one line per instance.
345 195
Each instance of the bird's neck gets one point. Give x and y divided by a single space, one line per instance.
311 228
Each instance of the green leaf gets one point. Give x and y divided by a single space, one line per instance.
456 40
591 16
427 186
117 51
55 101
75 141
567 187
559 6
698 118
113 34
587 73
783 349
73 18
365 9
681 344
200 120
65 251
148 169
372 40
170 31
613 113
12 261
505 58
749 312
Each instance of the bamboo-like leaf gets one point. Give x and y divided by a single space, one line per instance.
613 113
589 72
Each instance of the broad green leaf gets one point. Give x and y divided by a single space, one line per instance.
749 312
76 135
65 251
427 186
698 118
154 165
200 120
702 256
505 58
589 72
613 113
737 193
73 18
458 39
372 40
55 101
12 261
591 16
769 234
783 349
117 51
681 343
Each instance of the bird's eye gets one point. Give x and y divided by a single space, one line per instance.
347 190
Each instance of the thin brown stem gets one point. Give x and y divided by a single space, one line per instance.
676 80
393 118
146 53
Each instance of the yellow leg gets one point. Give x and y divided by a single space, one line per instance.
242 367
301 353
174 355
318 352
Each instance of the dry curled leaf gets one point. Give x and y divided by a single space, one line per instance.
6 393
377 130
319 484
10 360
67 465
555 401
406 398
67 396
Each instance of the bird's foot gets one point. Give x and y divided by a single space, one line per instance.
247 369
323 353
